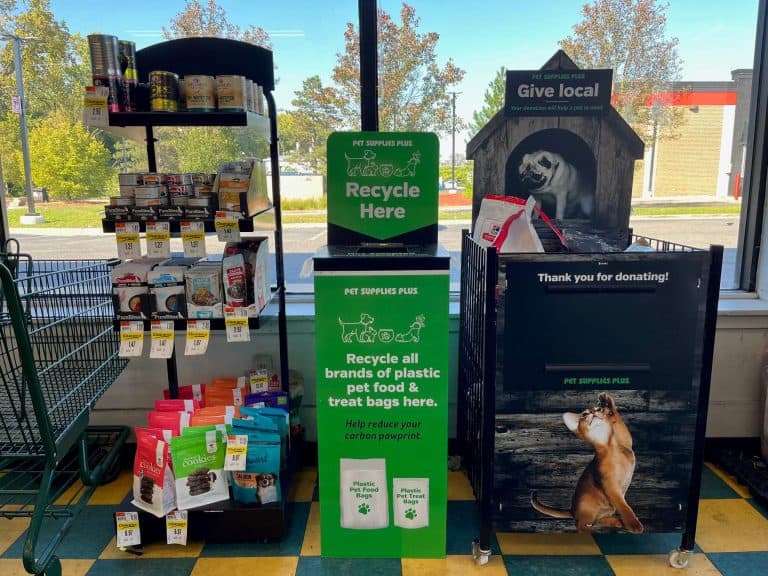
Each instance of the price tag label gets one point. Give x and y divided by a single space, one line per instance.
198 335
236 323
162 339
128 533
131 339
176 523
259 380
237 449
227 226
127 236
193 238
95 111
158 239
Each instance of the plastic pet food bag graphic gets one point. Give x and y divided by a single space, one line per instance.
410 500
153 484
364 501
198 461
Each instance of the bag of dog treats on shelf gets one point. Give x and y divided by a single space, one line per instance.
153 484
279 419
215 396
178 405
173 421
193 430
267 400
198 461
189 392
259 483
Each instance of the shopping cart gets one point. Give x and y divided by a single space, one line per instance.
58 354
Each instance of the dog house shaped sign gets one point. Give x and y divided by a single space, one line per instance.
559 140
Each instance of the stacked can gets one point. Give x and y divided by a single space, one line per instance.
105 67
200 92
128 182
202 185
231 93
163 91
179 188
130 74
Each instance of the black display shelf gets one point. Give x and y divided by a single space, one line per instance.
189 119
244 224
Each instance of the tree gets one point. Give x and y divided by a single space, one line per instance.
493 101
203 149
630 36
198 19
413 87
69 160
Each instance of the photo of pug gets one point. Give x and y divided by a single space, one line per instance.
544 173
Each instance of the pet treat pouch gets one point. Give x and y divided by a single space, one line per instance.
153 485
267 400
225 396
280 422
410 501
259 483
504 222
198 461
189 392
166 291
364 501
235 290
203 429
179 405
173 421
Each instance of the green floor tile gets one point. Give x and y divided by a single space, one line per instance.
140 567
740 563
316 566
297 513
712 486
91 531
557 566
653 543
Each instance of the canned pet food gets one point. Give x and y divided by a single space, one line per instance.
120 201
147 191
202 189
105 53
200 93
127 51
250 100
179 179
154 178
127 191
230 93
130 179
179 200
179 190
163 91
199 202
144 202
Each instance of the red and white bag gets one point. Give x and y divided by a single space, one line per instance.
505 222
154 488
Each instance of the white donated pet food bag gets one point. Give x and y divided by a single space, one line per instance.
364 502
504 222
410 498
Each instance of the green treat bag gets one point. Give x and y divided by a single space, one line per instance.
198 461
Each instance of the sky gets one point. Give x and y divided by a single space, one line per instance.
714 37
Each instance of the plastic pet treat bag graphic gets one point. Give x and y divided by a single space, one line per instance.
410 498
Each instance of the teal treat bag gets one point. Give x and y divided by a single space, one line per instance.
259 483
280 419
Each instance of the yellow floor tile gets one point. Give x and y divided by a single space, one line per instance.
10 530
452 566
658 565
730 526
740 489
311 544
115 491
285 566
68 567
547 544
303 485
153 550
459 487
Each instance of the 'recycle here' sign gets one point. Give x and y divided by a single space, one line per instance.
382 187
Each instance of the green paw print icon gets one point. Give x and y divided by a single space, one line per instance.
410 514
364 509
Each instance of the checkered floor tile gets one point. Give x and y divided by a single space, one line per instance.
731 540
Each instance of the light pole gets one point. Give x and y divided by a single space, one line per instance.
31 217
453 139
